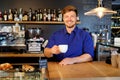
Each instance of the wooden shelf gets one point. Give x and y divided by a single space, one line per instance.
33 22
115 27
117 17
2 54
24 63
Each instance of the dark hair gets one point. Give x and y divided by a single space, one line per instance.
68 9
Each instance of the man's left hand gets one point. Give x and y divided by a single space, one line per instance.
67 61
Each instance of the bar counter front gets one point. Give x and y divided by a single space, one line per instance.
96 70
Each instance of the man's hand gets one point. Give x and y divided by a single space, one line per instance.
79 59
55 49
67 61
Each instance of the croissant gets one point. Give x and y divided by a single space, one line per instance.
27 67
6 66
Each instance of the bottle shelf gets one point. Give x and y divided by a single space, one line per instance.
117 17
33 22
115 27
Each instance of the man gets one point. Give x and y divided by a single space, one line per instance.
80 44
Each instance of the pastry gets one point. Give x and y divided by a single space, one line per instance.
6 66
27 68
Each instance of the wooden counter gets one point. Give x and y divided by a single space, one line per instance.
83 71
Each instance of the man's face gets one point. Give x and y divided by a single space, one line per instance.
70 19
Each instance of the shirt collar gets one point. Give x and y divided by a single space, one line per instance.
75 30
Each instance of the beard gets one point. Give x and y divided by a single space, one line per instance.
70 26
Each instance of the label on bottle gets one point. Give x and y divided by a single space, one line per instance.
10 18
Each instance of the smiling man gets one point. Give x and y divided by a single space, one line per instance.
80 44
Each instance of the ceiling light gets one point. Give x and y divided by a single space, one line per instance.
100 11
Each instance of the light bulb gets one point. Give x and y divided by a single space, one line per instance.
100 14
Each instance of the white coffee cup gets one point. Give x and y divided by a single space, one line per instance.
63 48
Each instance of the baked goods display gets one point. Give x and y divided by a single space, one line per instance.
6 66
27 68
24 67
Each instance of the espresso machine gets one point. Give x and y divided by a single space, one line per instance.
34 40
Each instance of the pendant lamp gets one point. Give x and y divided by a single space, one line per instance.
100 11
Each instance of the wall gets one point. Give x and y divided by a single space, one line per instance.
91 22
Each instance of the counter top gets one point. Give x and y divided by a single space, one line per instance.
83 71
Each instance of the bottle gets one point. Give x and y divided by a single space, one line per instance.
34 16
59 15
10 15
16 15
119 22
94 37
0 16
49 15
41 15
45 16
16 28
54 15
25 16
20 14
30 14
5 16
38 15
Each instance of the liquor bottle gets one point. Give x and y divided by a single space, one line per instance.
25 16
41 14
10 15
5 16
15 13
54 15
59 15
20 14
45 16
33 16
30 14
0 16
49 15
38 15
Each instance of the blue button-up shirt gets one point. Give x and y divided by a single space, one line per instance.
79 42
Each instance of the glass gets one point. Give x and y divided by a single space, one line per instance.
114 57
20 75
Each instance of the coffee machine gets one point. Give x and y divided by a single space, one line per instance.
34 40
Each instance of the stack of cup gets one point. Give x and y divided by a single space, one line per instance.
115 59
